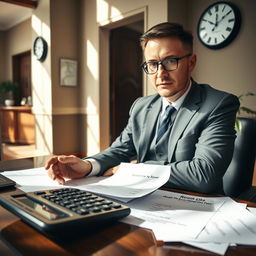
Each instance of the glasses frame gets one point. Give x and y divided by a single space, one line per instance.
144 64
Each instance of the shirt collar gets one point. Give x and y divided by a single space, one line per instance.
176 104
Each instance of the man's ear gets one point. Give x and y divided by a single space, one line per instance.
192 62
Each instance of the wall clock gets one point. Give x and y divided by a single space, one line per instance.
218 25
40 48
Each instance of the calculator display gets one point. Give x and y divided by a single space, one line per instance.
44 210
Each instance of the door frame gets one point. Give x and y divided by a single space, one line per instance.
104 69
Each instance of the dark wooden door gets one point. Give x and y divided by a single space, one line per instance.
125 76
22 74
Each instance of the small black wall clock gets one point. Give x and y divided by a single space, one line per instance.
40 48
219 24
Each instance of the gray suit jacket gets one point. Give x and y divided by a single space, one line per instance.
200 145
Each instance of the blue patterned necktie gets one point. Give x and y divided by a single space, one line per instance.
165 122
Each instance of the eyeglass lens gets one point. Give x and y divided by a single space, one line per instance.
169 64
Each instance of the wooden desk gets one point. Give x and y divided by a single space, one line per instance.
18 238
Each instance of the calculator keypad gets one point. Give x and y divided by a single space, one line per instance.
79 201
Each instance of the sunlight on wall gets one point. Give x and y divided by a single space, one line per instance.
40 28
115 14
107 13
92 60
42 103
42 90
93 133
102 10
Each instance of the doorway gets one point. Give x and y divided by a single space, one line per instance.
125 74
22 75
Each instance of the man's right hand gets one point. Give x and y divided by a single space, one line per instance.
71 167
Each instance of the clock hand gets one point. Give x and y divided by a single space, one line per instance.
223 17
216 22
210 22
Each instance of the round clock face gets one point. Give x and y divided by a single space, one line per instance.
218 25
40 48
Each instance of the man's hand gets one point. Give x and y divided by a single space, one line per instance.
71 167
111 171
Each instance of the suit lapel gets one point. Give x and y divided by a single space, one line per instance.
149 127
189 107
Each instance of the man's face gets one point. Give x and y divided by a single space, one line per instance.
170 84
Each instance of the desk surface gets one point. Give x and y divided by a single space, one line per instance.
18 238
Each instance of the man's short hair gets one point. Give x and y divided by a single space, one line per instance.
167 29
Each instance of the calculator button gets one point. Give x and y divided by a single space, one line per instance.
38 193
105 207
95 209
116 206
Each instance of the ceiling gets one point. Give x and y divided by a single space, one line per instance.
12 14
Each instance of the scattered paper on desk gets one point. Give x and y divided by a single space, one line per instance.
173 216
219 248
30 180
233 224
252 210
131 181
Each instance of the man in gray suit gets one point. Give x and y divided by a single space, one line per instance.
196 138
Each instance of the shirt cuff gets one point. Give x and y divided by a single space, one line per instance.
95 167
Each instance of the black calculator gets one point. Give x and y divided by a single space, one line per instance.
5 182
62 210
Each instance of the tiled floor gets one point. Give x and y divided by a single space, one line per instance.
14 151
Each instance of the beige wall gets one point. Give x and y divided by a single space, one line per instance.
56 107
232 68
65 42
14 41
41 80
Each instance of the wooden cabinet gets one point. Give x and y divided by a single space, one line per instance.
17 125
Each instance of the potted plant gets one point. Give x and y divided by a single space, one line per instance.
8 89
243 109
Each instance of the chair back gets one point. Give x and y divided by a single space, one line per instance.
239 174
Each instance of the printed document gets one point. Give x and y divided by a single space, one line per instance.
173 215
131 181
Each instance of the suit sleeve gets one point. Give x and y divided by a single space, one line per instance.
213 151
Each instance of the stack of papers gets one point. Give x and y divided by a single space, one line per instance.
210 223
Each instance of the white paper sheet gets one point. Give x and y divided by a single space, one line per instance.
173 215
219 248
131 181
252 210
233 224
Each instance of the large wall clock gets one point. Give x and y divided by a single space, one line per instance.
40 48
219 24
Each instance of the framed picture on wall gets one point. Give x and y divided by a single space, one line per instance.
68 72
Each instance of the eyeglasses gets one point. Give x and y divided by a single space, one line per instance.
169 64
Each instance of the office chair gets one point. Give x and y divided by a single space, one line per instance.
238 177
